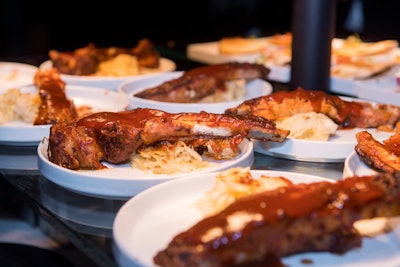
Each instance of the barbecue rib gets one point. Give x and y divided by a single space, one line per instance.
289 220
114 137
347 114
377 155
201 82
55 106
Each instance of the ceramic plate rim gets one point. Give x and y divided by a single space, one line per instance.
354 166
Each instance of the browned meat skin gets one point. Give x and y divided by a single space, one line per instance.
198 83
147 55
114 137
293 219
55 106
393 143
347 114
375 154
84 61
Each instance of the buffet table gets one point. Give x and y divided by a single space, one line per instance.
86 221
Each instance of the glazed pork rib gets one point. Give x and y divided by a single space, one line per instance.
85 60
347 114
379 156
114 137
55 106
201 82
293 219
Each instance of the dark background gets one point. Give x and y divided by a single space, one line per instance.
29 29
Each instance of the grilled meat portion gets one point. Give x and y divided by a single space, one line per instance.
292 219
377 155
347 114
85 60
201 82
55 106
114 137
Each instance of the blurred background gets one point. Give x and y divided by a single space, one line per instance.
29 29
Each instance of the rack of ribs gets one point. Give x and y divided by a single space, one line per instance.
272 224
114 136
201 82
347 114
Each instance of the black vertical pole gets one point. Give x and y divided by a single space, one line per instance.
313 28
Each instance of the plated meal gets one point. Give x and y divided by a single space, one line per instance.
141 147
122 181
108 67
13 74
241 232
322 126
26 113
352 58
211 88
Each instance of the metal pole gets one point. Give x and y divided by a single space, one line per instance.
313 28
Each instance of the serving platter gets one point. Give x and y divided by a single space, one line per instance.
147 222
111 82
19 133
255 88
123 181
13 74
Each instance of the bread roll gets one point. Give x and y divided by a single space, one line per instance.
241 45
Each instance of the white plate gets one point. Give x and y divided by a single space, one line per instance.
353 166
123 181
147 222
21 133
255 88
336 149
108 82
14 74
